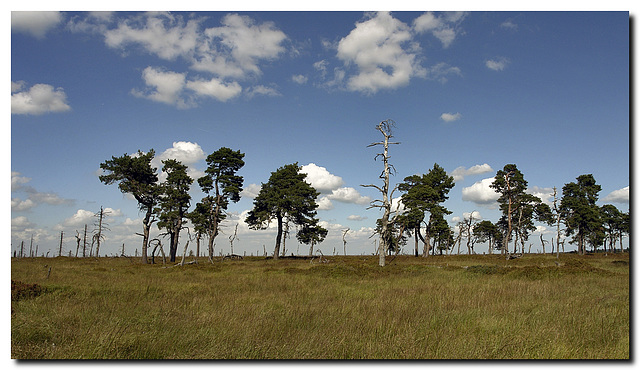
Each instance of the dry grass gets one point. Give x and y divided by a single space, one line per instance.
458 307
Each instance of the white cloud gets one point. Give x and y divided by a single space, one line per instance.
382 50
34 23
356 218
20 205
440 71
20 223
348 195
618 196
80 218
545 194
324 203
508 24
450 117
163 87
480 193
39 99
475 215
162 34
444 27
299 79
321 179
236 48
187 153
215 88
459 173
17 180
497 64
250 191
262 90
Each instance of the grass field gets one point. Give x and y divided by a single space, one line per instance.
443 307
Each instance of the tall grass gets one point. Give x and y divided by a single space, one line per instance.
453 307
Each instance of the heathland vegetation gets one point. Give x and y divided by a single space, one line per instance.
442 307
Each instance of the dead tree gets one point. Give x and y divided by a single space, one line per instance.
344 241
78 239
543 241
233 237
61 236
101 225
84 242
385 128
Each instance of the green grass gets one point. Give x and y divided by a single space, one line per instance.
444 307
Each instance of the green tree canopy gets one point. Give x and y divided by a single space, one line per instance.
174 201
285 195
579 210
221 184
135 176
425 193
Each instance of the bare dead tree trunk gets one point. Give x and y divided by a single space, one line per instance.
276 252
385 128
60 251
21 249
543 241
233 237
78 239
84 242
344 241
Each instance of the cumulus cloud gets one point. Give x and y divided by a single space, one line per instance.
497 64
187 153
460 172
250 191
20 205
618 196
231 52
20 223
545 194
445 27
163 87
36 24
80 218
215 88
383 52
348 195
163 34
39 99
472 215
480 193
450 117
324 203
320 178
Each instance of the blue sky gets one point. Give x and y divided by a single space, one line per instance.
471 91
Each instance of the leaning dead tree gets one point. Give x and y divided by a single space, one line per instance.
386 237
100 226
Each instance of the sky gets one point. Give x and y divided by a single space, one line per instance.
470 91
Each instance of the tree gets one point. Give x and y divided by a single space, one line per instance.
424 194
221 184
311 234
611 219
386 235
174 202
486 231
579 209
510 184
285 195
135 176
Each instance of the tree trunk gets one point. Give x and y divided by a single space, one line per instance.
276 252
415 238
146 226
